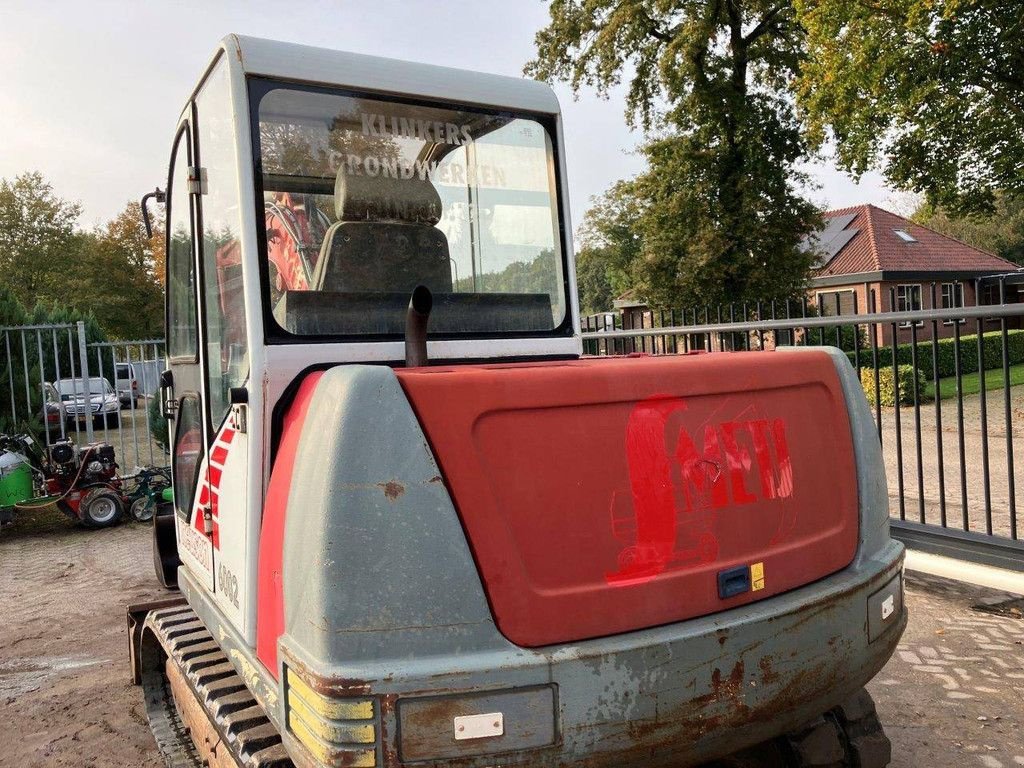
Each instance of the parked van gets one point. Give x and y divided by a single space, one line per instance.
127 384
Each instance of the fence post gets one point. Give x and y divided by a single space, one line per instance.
83 358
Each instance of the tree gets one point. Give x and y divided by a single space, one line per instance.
38 245
1001 233
932 90
119 280
610 248
595 289
722 216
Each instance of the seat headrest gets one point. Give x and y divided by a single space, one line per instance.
382 198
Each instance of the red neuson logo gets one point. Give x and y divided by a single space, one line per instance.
676 489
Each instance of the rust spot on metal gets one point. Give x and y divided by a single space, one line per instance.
392 489
768 675
725 689
435 479
323 684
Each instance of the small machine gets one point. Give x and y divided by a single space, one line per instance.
81 481
414 525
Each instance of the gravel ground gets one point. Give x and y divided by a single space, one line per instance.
952 696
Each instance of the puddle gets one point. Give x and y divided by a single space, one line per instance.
18 676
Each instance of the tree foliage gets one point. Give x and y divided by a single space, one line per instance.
719 214
121 269
1001 232
931 89
113 273
39 246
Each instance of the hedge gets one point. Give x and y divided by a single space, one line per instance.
992 353
887 388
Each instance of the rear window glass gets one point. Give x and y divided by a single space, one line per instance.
365 199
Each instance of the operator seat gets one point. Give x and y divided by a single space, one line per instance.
384 240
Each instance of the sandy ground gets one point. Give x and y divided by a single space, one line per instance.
952 696
975 433
65 695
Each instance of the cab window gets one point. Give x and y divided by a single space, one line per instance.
181 284
227 349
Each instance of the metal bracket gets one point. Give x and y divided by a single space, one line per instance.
239 418
197 184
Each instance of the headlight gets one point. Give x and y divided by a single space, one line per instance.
111 406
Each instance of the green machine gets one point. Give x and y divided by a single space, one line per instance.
15 483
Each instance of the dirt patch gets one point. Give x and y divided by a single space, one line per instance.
65 694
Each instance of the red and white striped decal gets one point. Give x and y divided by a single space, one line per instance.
209 493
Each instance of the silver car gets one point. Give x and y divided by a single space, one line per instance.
127 384
103 404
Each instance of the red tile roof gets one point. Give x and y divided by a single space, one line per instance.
877 248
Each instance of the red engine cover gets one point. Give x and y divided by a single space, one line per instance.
601 496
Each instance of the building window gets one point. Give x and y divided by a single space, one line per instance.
952 298
905 236
835 303
990 294
908 299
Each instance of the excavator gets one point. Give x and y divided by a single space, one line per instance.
413 524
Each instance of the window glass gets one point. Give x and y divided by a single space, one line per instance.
181 287
188 449
952 295
365 199
834 303
226 343
908 299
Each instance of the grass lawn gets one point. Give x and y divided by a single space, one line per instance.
972 382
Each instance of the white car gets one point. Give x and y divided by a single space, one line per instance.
126 383
103 403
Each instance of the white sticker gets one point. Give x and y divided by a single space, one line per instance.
479 726
888 607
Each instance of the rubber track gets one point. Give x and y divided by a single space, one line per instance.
848 736
238 717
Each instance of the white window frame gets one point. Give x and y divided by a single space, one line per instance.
920 305
956 287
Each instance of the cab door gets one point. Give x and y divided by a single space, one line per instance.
224 484
186 427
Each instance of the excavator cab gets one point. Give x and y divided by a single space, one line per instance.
413 524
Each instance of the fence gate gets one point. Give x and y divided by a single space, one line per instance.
55 385
947 392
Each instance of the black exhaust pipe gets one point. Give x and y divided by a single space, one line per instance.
416 317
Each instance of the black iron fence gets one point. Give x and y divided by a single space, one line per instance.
947 391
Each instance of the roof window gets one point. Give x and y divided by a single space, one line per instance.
905 236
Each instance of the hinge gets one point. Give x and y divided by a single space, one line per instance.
197 181
239 418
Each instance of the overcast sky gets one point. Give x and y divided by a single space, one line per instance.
91 91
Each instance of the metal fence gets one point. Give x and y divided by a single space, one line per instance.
949 415
59 386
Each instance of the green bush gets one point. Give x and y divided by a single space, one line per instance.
992 354
887 385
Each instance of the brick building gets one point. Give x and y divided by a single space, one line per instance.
866 250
